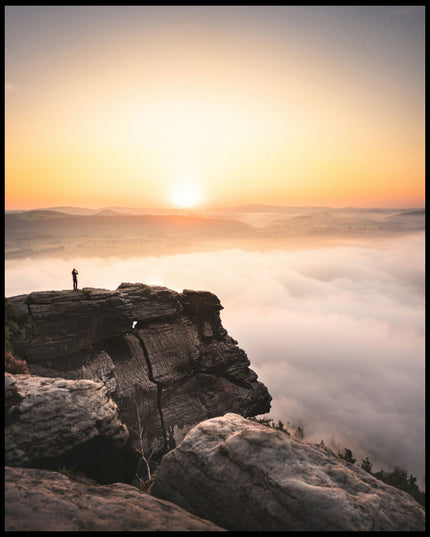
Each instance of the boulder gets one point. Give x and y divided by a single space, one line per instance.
54 422
246 476
42 500
164 357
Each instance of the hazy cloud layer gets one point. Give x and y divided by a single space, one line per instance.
336 334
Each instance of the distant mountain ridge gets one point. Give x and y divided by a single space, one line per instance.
112 210
102 232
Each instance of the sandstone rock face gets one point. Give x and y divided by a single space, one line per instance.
245 476
41 500
163 356
51 422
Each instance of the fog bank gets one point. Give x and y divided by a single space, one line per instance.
335 333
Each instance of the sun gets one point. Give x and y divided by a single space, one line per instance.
185 196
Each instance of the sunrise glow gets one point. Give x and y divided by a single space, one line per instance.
277 104
245 186
185 196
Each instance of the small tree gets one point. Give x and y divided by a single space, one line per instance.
280 426
142 451
269 422
367 465
264 421
399 478
347 456
299 434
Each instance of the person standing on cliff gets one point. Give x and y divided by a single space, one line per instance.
75 279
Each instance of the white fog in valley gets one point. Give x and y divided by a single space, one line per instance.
336 333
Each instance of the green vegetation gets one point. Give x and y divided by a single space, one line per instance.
298 433
68 472
347 456
269 422
146 484
367 465
16 331
398 478
74 475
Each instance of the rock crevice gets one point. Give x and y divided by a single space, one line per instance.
159 390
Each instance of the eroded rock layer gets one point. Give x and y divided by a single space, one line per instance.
164 357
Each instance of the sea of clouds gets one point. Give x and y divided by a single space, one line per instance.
335 333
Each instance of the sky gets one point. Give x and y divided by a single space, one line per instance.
336 334
204 106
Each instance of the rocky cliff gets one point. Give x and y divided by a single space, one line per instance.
164 357
146 367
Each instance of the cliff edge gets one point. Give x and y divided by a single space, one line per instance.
164 357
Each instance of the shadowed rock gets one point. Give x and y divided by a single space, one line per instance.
245 476
54 422
161 354
41 500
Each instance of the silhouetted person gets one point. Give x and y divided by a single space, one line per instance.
75 279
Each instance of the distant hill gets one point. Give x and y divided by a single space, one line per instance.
107 212
251 208
108 231
43 212
419 212
85 211
73 210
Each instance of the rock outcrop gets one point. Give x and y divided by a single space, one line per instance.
164 357
54 422
245 476
41 500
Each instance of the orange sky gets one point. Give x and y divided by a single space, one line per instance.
110 105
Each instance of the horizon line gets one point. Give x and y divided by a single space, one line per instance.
209 208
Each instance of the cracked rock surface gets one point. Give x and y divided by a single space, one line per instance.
245 476
160 354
